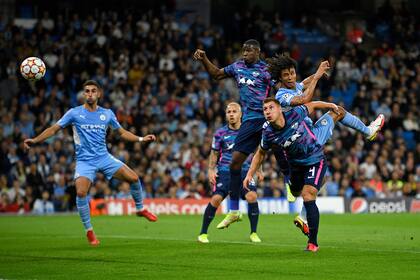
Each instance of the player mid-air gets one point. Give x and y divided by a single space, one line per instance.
220 158
90 123
292 93
304 150
254 83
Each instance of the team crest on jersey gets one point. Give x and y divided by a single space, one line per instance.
295 125
102 117
229 147
324 122
255 74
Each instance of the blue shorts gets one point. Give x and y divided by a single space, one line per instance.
249 136
106 164
222 184
323 128
312 175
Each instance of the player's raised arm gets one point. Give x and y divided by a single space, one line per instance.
47 133
255 166
310 85
311 106
212 171
215 72
306 82
131 137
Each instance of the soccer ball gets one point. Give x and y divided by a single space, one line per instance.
33 68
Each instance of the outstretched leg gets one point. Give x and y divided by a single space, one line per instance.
127 174
354 122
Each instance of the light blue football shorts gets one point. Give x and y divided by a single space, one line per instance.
323 128
106 164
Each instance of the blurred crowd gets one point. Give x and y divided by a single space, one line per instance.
150 80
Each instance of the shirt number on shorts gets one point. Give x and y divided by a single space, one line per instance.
312 171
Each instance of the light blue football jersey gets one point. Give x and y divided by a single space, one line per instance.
89 130
285 96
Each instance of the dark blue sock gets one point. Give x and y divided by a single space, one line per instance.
312 214
208 217
253 214
235 188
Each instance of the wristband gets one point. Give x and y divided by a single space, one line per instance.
141 139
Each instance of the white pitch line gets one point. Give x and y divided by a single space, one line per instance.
268 244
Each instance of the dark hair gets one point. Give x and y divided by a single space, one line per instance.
92 83
271 99
253 43
279 63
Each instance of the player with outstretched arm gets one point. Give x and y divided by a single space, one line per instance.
90 123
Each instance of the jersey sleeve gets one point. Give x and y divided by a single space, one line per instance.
217 141
265 144
284 97
300 86
67 119
113 122
302 110
230 69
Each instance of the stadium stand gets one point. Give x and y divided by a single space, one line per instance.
150 80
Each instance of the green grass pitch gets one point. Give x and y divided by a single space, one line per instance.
351 247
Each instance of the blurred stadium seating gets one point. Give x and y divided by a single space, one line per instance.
143 58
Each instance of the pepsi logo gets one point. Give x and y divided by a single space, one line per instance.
415 206
358 205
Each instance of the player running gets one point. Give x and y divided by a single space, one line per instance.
292 93
304 148
220 158
90 123
254 83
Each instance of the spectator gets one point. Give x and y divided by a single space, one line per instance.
368 168
43 205
332 186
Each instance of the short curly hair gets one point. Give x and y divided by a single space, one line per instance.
279 63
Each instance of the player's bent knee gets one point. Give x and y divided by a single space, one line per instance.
216 200
251 197
237 160
236 164
309 193
131 177
341 112
81 193
134 178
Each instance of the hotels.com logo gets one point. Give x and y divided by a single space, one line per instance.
359 205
